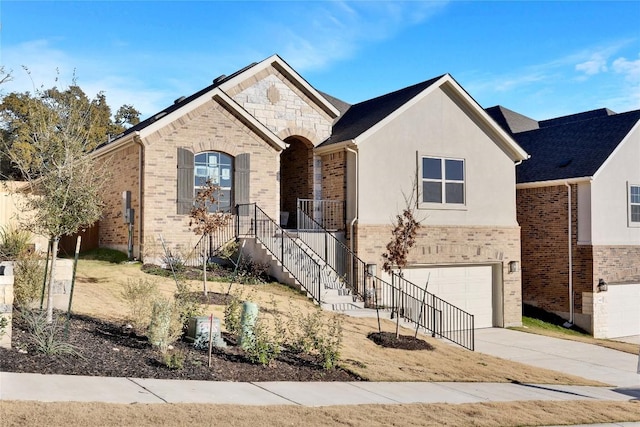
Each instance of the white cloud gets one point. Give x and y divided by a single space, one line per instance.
332 31
630 69
597 63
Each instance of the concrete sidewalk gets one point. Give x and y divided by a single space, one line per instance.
590 361
51 388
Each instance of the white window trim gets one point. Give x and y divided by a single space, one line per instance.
634 224
443 205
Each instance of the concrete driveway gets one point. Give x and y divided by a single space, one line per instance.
585 360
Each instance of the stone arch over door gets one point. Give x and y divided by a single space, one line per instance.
296 176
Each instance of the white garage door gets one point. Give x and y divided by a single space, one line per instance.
468 288
623 310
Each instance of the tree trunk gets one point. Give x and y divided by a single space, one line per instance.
204 265
54 256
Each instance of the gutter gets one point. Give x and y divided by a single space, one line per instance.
569 236
355 218
140 193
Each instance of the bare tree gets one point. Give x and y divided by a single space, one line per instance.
403 239
204 222
63 182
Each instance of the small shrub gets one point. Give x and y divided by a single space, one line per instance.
174 359
139 296
263 347
105 254
4 322
47 338
28 279
250 272
187 303
13 242
314 335
174 261
328 345
165 327
233 314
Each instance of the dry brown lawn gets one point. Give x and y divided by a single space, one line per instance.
533 413
98 294
99 285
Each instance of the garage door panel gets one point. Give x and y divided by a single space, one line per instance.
467 287
623 310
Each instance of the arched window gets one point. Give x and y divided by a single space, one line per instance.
218 167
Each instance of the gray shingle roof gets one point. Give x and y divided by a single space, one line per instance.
511 121
362 116
602 112
572 149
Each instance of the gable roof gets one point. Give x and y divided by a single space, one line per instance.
217 91
366 117
360 117
572 148
602 112
511 121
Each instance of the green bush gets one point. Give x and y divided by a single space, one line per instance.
263 347
4 322
165 327
187 303
139 296
47 338
13 242
28 279
105 254
311 334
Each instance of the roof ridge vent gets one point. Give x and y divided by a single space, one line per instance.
179 100
220 78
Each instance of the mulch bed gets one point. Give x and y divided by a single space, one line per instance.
402 342
110 350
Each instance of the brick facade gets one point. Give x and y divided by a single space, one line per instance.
296 175
124 167
334 176
446 245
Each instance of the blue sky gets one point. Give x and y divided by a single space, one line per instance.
542 59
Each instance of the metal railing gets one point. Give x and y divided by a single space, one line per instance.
408 300
210 244
253 221
328 214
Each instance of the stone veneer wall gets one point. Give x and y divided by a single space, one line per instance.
446 245
542 214
61 293
6 302
124 165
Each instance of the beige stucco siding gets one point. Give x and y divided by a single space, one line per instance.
609 197
435 126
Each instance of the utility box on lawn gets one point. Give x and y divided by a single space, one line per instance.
198 331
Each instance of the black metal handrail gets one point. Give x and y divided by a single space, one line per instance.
253 221
408 300
210 244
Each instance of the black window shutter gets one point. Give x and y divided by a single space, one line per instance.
185 181
242 179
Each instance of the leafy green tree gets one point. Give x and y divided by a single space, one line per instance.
16 120
50 149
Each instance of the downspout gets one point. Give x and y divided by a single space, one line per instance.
569 236
355 218
140 193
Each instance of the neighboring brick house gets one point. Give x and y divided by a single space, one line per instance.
584 171
267 137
